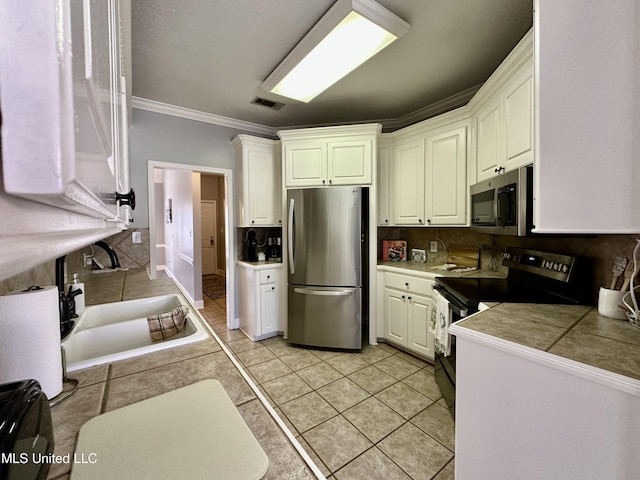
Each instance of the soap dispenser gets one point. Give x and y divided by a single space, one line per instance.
78 298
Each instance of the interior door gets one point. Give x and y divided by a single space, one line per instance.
208 222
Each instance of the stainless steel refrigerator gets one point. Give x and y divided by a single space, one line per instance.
326 235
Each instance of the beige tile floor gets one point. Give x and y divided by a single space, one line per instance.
106 387
374 414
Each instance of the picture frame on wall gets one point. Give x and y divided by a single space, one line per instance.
168 213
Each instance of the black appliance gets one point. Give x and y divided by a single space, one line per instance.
26 431
533 277
252 246
274 248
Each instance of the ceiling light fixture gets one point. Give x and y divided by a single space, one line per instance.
350 33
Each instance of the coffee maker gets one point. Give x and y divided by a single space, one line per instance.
274 248
252 246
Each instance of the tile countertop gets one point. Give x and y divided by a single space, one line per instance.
574 332
263 264
427 269
106 387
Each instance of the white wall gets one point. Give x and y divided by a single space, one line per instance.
179 235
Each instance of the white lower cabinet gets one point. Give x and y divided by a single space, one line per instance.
407 306
260 292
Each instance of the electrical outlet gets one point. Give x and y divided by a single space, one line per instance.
136 237
87 260
434 246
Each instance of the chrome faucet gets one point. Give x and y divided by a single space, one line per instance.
66 302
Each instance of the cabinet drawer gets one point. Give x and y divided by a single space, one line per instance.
267 276
409 283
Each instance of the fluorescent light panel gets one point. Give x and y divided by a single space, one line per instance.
350 33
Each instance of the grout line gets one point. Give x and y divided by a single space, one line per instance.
301 451
341 414
107 385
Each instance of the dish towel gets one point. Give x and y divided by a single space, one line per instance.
167 325
439 325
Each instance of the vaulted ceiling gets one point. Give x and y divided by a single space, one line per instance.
212 55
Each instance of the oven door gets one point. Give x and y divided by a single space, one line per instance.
445 366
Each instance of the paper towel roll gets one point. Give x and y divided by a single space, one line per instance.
30 338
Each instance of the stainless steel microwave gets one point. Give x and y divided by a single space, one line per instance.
503 205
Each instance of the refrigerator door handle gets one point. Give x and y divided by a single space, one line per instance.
325 293
292 267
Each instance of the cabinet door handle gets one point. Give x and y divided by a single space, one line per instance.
127 199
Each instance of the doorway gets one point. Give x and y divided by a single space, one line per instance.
189 250
208 231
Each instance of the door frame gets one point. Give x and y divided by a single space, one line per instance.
229 221
215 231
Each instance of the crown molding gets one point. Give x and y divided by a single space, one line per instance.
388 124
182 112
446 105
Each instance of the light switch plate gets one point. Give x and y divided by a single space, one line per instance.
136 237
434 246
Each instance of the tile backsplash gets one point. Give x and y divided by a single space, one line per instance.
601 249
130 255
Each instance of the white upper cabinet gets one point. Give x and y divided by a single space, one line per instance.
503 111
258 182
587 77
407 182
488 138
305 163
329 155
349 161
517 100
383 181
446 186
64 105
64 127
427 173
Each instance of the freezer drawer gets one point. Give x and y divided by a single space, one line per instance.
325 316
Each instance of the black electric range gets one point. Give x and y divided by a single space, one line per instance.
534 277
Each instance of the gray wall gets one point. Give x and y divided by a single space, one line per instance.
164 138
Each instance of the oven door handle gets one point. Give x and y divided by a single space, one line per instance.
457 308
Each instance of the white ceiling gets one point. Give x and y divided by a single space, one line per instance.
212 56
